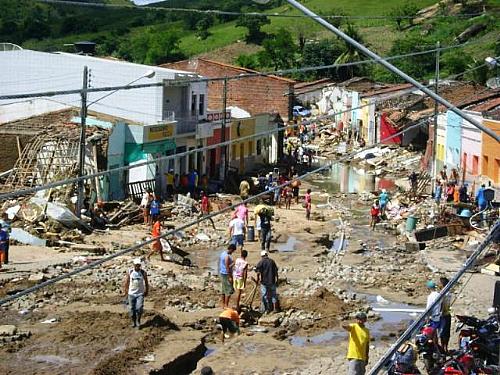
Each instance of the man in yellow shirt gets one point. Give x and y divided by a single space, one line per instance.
359 345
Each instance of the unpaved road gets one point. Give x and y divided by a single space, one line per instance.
91 332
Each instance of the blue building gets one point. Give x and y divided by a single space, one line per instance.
453 140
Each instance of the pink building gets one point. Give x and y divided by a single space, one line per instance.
471 149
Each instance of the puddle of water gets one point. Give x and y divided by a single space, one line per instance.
209 351
378 329
325 337
345 178
289 245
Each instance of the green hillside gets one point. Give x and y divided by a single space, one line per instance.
154 36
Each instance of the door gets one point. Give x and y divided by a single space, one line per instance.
212 162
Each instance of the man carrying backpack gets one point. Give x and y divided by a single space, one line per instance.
136 287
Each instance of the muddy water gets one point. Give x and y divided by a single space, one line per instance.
345 178
389 322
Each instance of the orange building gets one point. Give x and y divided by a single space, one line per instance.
490 153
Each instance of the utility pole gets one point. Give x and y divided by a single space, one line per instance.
436 112
81 158
224 161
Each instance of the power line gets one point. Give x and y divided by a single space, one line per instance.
186 153
254 14
240 76
182 227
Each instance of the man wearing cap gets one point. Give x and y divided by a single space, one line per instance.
136 287
435 314
267 275
359 345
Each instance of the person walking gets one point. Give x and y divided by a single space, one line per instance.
242 212
438 192
267 276
308 204
240 273
136 288
445 324
156 246
154 208
481 201
358 346
296 188
146 205
237 231
244 189
383 199
375 214
265 229
226 274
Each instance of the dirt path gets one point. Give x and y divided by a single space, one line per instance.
319 290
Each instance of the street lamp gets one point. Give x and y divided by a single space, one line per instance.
83 116
149 74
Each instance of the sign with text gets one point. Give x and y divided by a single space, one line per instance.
158 132
218 116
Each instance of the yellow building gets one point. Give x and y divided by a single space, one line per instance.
490 153
242 152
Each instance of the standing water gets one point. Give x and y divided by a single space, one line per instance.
345 178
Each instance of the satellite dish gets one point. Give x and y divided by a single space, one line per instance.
493 83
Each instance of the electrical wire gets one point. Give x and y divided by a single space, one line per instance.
257 14
22 192
239 76
182 227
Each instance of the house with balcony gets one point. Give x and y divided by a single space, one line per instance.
156 121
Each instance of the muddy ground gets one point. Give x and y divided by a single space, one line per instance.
80 326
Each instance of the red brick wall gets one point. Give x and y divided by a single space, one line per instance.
255 95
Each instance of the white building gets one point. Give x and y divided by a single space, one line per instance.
159 120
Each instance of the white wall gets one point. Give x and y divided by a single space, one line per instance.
26 71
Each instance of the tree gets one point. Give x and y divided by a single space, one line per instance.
253 24
350 54
248 61
279 50
153 46
202 27
404 12
322 52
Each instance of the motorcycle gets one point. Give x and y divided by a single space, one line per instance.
482 337
429 351
463 362
403 361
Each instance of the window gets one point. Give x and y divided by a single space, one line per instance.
193 104
484 167
201 105
259 146
475 165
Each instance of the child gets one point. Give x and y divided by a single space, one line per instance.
375 213
308 204
205 204
240 272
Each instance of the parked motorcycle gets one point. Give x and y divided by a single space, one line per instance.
429 351
463 362
482 337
